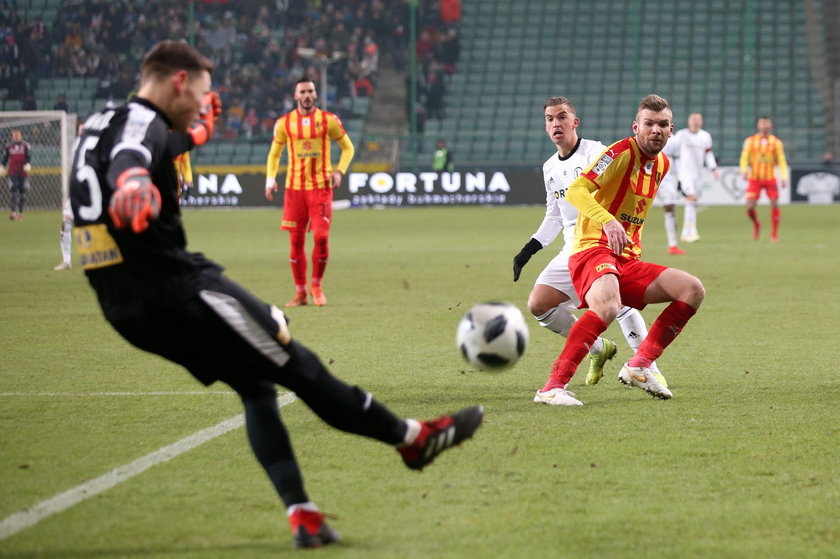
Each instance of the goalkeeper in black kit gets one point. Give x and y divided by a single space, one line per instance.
130 239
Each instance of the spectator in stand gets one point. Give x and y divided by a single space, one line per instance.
61 104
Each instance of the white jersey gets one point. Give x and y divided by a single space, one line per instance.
693 151
819 187
558 174
667 193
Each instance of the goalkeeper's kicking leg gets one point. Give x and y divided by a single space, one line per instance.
246 344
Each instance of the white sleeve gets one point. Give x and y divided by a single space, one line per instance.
711 163
551 224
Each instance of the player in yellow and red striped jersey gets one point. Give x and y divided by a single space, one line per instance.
613 197
310 178
762 153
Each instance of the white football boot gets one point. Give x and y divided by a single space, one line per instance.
557 397
642 377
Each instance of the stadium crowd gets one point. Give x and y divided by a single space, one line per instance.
260 48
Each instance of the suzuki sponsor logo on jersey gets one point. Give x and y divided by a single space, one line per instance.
428 188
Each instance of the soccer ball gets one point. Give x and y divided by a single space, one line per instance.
492 336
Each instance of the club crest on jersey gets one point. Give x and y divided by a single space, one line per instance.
306 121
649 167
602 164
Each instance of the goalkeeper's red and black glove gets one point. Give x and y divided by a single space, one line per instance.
135 201
519 261
211 109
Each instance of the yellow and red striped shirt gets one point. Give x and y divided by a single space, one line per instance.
621 184
309 139
762 154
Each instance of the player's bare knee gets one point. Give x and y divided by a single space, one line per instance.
537 306
694 292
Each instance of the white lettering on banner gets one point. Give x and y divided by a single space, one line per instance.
210 184
383 183
474 182
231 184
450 182
357 181
406 182
428 181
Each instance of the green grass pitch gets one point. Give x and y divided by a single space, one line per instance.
744 462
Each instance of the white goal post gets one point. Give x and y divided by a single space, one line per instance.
50 135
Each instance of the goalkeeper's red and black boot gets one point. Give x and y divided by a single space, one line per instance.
311 530
440 434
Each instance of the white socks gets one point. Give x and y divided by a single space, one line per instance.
65 239
690 218
634 329
307 506
671 228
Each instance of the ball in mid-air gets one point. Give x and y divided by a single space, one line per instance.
492 336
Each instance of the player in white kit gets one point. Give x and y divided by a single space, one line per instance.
65 237
669 196
694 149
553 296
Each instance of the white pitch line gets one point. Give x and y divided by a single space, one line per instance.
25 518
86 394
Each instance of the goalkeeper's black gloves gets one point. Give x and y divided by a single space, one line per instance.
519 261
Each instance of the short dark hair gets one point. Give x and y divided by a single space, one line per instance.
763 117
554 101
168 57
653 102
304 79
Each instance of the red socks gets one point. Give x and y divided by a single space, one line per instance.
662 332
297 258
775 217
320 253
581 337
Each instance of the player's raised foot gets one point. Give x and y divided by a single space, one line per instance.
642 378
756 230
440 434
311 530
298 300
675 250
597 362
318 296
557 397
63 266
691 237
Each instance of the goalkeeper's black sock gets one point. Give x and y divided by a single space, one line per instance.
270 443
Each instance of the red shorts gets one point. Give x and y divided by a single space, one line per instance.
634 276
755 186
307 210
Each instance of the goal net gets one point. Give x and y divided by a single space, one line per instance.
50 135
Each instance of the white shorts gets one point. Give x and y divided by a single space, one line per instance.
667 193
556 274
689 187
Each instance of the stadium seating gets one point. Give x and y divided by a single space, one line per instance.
730 60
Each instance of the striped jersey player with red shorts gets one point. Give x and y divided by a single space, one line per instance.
613 197
762 153
310 178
